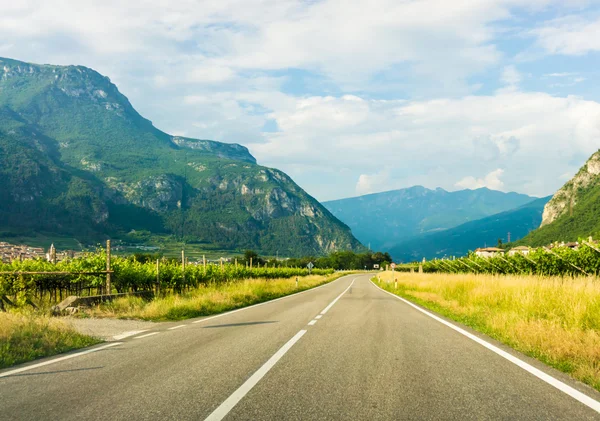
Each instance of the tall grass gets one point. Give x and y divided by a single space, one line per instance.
207 300
556 320
25 337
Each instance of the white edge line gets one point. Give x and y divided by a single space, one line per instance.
177 327
312 322
146 335
56 360
563 387
319 316
270 301
223 409
128 334
338 297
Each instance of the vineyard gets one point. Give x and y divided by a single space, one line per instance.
34 281
558 261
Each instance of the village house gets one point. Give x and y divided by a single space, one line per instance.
524 250
489 252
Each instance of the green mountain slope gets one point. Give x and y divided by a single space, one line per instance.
574 211
77 159
458 241
387 219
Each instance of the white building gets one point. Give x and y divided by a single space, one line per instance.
489 252
524 250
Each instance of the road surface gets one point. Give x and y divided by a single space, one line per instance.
344 351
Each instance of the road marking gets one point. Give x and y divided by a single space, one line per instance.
312 322
128 334
176 327
338 297
223 409
318 317
270 301
146 335
66 357
563 387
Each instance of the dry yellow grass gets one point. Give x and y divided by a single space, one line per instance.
556 320
207 300
24 337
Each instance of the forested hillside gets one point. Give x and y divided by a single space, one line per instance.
76 159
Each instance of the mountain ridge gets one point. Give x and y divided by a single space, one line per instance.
80 160
459 240
388 218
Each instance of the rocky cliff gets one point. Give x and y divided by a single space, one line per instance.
565 200
77 159
574 211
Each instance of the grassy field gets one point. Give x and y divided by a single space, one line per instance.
556 320
25 337
208 300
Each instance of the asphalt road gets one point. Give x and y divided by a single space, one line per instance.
369 356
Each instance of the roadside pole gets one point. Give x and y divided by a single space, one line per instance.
183 265
108 286
157 277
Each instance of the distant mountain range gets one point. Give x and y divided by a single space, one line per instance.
458 241
387 220
76 159
574 211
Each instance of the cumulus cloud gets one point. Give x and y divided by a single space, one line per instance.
522 133
370 183
491 181
570 35
351 89
511 76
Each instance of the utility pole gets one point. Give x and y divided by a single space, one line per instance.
508 237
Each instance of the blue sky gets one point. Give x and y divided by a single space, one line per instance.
349 97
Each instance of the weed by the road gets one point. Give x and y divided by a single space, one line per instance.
207 300
25 337
556 320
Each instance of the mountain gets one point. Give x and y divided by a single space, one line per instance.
574 211
387 219
76 159
458 241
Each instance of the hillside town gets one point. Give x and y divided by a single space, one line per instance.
10 252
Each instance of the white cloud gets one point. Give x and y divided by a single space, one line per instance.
570 35
220 68
511 76
532 136
370 183
343 40
491 181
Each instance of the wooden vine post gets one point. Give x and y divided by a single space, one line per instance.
157 276
108 274
183 265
